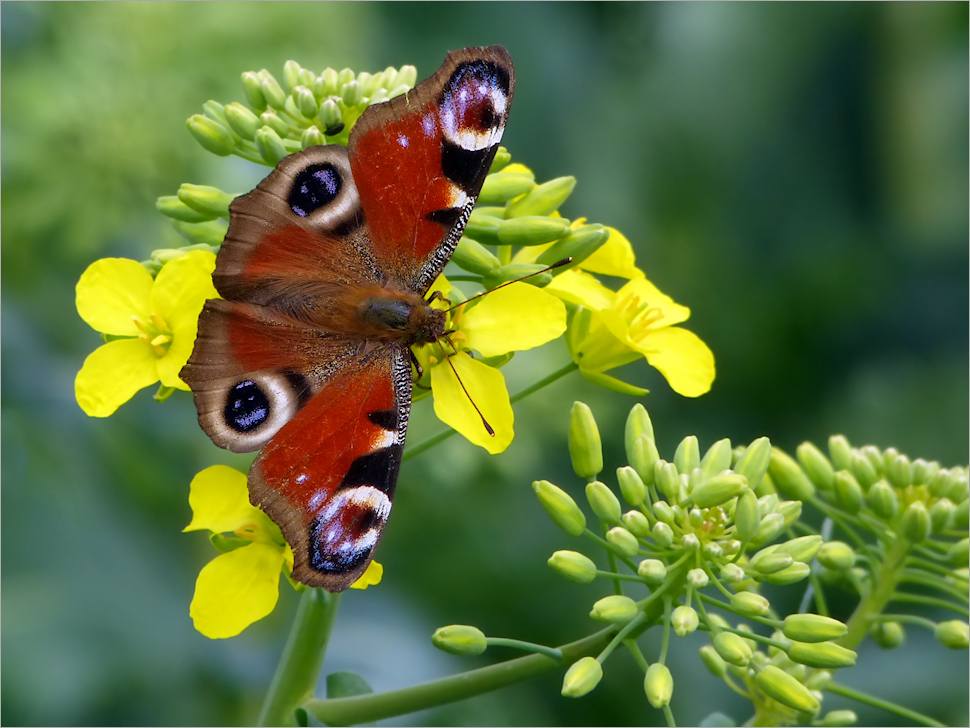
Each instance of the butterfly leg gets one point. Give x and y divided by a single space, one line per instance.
419 370
437 296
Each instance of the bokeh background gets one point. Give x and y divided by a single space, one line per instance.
796 174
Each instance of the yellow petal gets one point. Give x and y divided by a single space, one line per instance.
372 575
605 345
486 386
581 288
514 318
110 292
236 589
219 500
182 287
516 168
684 360
664 311
614 258
112 374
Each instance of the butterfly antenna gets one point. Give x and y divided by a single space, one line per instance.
488 427
557 264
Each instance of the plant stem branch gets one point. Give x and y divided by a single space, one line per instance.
875 702
886 579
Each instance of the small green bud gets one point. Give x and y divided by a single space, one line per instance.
658 684
500 161
663 535
406 76
882 500
171 206
312 137
560 507
623 540
788 477
581 677
515 271
664 513
274 122
690 543
816 466
209 233
631 486
771 562
900 471
578 245
957 491
771 525
668 480
604 504
791 511
211 135
713 551
695 518
915 523
242 121
818 680
291 74
958 553
210 201
863 470
784 688
502 187
272 92
826 655
531 230
270 146
687 455
888 635
697 578
585 448
848 492
329 115
838 718
812 628
940 514
684 620
351 93
794 573
615 608
459 639
483 228
731 546
749 604
713 661
637 423
573 565
732 574
636 523
874 456
643 457
954 634
732 649
836 555
961 516
717 490
652 571
306 102
924 472
840 451
886 459
544 199
803 548
753 464
474 257
717 458
254 91
747 515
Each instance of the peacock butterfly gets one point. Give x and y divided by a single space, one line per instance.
323 275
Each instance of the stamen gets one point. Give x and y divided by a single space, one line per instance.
139 324
159 322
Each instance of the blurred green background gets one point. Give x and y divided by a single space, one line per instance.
796 174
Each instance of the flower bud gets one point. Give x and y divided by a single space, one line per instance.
697 578
791 511
329 115
351 93
585 448
882 500
717 490
536 275
900 471
713 661
631 486
312 137
888 635
254 91
604 504
684 620
753 464
270 146
924 472
957 490
211 135
874 456
848 492
863 470
544 199
788 477
941 513
784 688
269 118
573 565
474 257
771 525
616 608
953 634
652 571
581 243
668 480
581 677
732 649
838 718
690 542
749 604
961 516
622 539
291 74
272 92
826 655
813 628
769 561
816 466
532 230
210 201
958 553
242 121
840 451
171 206
305 102
732 574
459 639
560 507
658 685
663 535
836 555
636 523
695 518
664 513
483 228
687 455
915 523
713 551
500 188
638 424
803 548
717 458
747 515
795 572
643 457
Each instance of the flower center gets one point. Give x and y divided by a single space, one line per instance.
155 332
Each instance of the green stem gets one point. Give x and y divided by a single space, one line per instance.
930 601
908 619
631 626
634 649
913 576
378 706
875 702
296 675
466 278
886 579
525 647
611 557
668 714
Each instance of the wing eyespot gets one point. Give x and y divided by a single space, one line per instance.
255 408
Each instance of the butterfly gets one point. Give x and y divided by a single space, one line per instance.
323 276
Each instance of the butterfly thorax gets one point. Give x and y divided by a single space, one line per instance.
400 316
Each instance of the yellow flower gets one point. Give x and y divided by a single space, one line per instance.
516 317
611 329
152 323
240 586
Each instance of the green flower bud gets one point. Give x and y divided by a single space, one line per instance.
274 122
838 718
954 634
578 245
749 604
585 448
306 102
604 504
663 535
623 540
581 677
816 466
939 483
636 523
616 608
848 492
940 514
351 93
515 271
652 571
717 490
406 76
474 257
544 199
732 574
795 572
312 137
888 635
291 74
840 451
643 457
698 578
863 470
753 464
732 649
812 628
886 459
802 549
747 515
658 685
958 489
836 555
915 523
713 661
270 146
668 480
171 206
874 456
501 160
459 639
201 233
210 201
687 456
713 551
637 424
788 477
272 92
241 120
771 525
531 230
961 516
345 75
900 471
882 500
958 553
717 458
254 92
818 680
560 507
924 472
631 486
500 188
329 115
826 655
684 620
664 513
791 511
690 543
695 518
573 565
211 135
770 561
779 685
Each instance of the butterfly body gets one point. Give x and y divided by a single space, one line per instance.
323 276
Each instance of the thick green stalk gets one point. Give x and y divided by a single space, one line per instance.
875 702
886 579
296 675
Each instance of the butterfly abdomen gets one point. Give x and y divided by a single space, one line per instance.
400 316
